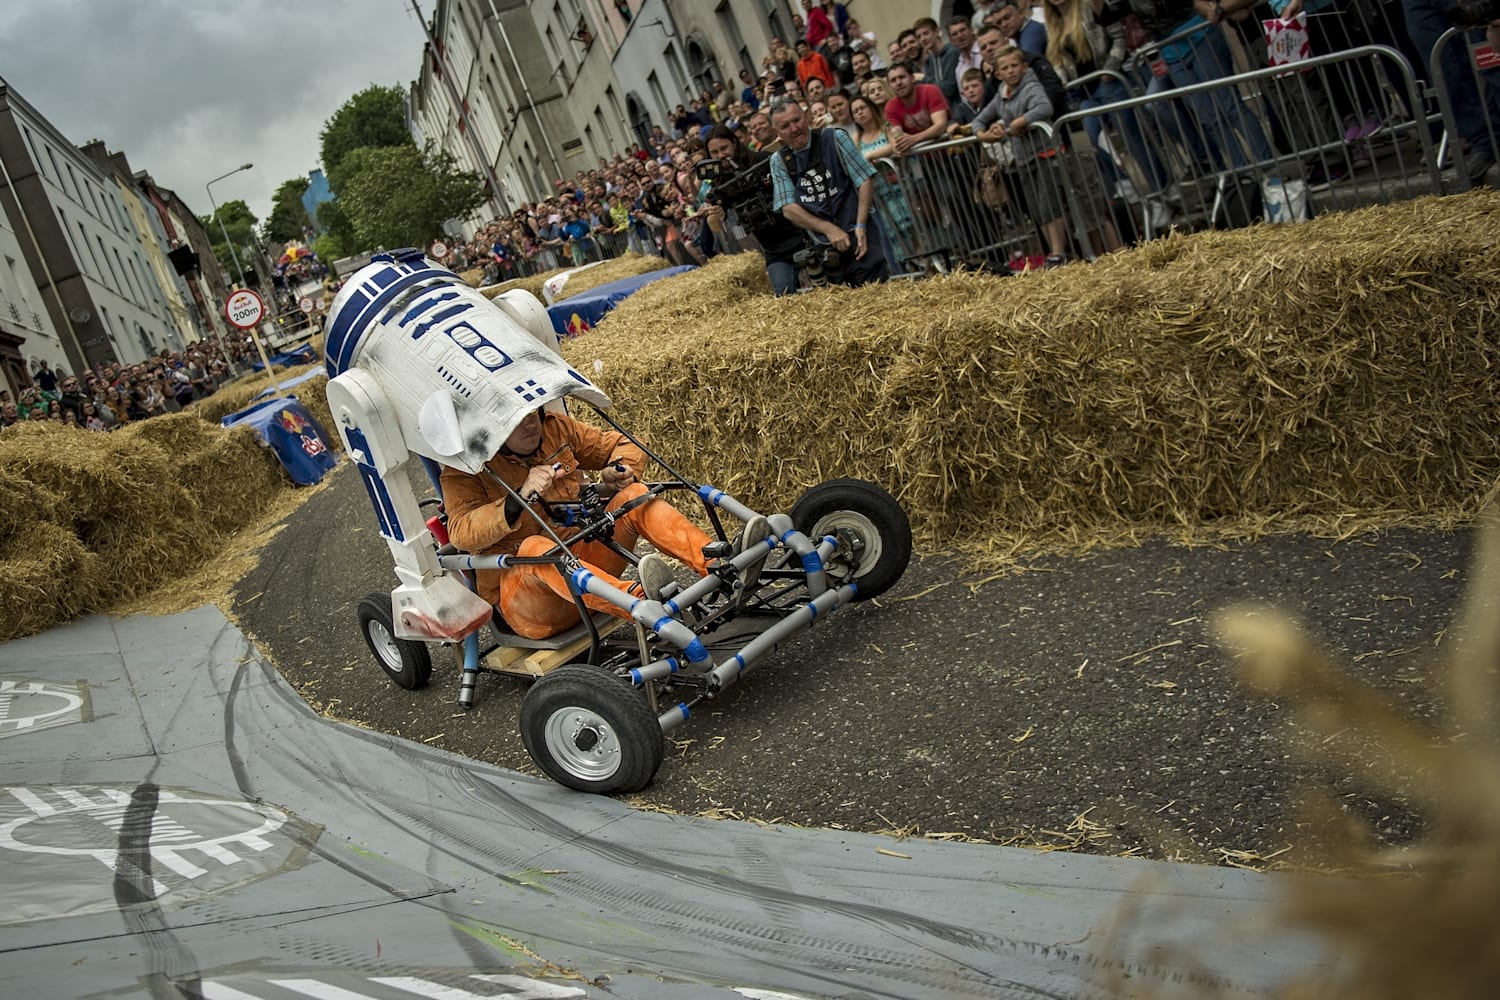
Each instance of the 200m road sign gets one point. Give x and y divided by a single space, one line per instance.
244 309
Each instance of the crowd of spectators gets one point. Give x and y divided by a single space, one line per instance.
992 73
108 396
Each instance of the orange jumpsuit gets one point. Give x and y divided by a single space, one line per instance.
535 600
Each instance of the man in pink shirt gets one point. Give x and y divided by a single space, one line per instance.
918 111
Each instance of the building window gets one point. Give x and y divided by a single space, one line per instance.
31 141
657 95
140 296
119 288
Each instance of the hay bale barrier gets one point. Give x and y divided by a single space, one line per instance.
627 265
89 519
1327 376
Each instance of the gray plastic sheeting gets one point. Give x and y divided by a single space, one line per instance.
193 829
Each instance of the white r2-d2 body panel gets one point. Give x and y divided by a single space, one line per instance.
421 364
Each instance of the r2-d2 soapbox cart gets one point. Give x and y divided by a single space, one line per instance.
422 365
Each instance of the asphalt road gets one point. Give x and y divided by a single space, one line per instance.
1081 704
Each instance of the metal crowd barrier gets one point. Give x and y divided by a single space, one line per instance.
1262 144
1226 152
1468 95
961 203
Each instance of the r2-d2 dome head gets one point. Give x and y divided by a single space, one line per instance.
457 371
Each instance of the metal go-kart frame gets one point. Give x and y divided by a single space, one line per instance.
422 365
597 723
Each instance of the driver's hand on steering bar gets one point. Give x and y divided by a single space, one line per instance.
616 476
540 479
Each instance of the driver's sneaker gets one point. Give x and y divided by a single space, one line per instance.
656 576
757 529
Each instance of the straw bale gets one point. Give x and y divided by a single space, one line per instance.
474 276
624 266
46 577
709 294
22 503
178 433
1328 375
123 511
232 478
630 265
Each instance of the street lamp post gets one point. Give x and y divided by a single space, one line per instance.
239 271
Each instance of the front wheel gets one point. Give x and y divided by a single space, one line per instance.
591 731
868 516
404 661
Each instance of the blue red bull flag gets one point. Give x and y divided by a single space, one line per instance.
299 442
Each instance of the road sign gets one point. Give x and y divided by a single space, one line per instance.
244 308
439 249
306 305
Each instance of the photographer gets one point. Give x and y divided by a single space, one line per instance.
742 185
823 185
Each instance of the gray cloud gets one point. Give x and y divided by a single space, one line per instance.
189 89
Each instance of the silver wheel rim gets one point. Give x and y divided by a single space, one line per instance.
582 742
856 524
384 645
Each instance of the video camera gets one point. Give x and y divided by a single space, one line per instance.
746 192
819 261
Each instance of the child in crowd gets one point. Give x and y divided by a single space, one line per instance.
1020 103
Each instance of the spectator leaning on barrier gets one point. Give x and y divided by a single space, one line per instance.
917 112
823 185
1077 45
9 414
1020 104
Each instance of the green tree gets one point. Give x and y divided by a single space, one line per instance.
329 249
374 117
338 231
288 218
239 222
399 196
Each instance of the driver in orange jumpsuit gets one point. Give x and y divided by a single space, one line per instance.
546 456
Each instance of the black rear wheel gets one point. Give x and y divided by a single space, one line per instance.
404 661
870 518
591 731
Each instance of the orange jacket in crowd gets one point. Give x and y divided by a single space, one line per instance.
814 65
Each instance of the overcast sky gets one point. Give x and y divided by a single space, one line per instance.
191 89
